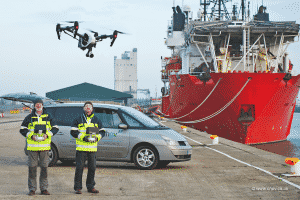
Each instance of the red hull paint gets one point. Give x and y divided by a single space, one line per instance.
271 98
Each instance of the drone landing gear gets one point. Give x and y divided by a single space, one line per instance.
89 53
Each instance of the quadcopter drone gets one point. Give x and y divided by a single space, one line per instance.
87 40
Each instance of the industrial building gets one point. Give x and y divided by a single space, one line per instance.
125 70
88 92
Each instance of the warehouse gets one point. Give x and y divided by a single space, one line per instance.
88 92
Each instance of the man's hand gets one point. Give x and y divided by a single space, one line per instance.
86 139
45 136
34 137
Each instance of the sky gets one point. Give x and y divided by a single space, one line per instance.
32 59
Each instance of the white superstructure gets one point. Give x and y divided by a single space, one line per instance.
126 72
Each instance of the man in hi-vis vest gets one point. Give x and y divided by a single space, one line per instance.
38 127
86 147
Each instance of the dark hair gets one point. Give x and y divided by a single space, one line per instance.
38 101
88 102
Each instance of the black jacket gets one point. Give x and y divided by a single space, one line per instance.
81 120
28 119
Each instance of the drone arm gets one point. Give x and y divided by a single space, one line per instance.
71 35
79 35
113 37
101 37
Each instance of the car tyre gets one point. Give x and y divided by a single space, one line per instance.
162 164
53 156
145 157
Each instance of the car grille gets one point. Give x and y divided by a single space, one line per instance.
181 143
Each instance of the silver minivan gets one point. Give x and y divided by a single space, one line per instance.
130 136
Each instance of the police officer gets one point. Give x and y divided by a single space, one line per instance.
38 145
85 148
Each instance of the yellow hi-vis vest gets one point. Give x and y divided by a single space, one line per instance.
39 145
82 145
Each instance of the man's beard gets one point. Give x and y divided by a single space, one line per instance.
39 109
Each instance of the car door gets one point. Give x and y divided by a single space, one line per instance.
64 117
115 143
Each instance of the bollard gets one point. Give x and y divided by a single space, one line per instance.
162 118
295 166
184 128
215 139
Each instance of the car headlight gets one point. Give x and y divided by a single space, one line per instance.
169 141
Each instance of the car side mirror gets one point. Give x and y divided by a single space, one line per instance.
123 126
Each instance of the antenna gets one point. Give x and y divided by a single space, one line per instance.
205 4
243 9
249 9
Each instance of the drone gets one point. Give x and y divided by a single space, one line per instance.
88 40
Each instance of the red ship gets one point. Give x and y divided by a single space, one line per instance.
230 77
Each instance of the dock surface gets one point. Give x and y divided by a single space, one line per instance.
228 170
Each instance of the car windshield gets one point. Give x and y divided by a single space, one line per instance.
147 121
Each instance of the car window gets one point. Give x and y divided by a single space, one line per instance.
132 122
108 117
144 119
51 111
64 116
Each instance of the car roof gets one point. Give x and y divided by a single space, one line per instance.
109 106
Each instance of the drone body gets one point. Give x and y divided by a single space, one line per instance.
87 40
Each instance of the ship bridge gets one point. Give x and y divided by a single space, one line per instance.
240 44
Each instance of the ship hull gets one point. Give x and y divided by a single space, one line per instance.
249 108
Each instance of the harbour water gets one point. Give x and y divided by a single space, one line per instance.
290 147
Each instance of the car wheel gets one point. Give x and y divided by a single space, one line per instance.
53 156
162 164
145 157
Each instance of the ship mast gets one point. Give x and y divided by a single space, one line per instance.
205 4
243 9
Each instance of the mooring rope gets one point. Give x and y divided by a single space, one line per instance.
217 112
202 101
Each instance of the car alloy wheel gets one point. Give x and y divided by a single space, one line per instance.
145 157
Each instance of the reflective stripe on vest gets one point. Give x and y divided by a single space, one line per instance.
82 145
39 145
87 146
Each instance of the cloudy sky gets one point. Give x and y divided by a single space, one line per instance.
34 60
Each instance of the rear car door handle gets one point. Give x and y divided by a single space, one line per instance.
60 133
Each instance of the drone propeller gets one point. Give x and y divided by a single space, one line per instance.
120 32
114 37
73 21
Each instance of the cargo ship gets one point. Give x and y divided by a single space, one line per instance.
230 75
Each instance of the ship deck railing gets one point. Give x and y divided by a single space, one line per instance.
256 26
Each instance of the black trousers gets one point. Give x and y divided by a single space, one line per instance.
81 156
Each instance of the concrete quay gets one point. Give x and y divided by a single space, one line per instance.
228 170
